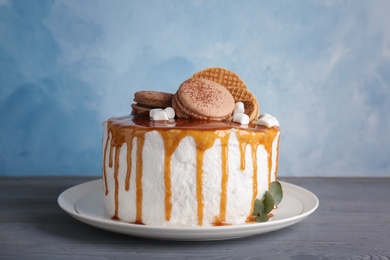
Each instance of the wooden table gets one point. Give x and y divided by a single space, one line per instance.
352 221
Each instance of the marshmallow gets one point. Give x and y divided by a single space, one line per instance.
266 115
154 110
241 118
160 115
170 112
267 120
239 107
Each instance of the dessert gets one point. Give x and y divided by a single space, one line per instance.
200 161
203 99
147 100
222 76
248 99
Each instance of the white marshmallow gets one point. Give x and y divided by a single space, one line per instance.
170 112
267 120
239 107
265 115
241 118
160 115
152 111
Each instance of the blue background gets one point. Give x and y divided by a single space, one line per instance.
321 67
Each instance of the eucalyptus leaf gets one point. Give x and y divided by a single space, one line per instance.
262 218
258 208
276 192
268 202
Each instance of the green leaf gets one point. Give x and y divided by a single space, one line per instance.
262 218
268 202
276 192
258 208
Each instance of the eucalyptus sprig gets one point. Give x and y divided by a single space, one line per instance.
270 199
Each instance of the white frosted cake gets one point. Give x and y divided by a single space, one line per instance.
163 169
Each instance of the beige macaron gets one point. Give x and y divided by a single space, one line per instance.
203 99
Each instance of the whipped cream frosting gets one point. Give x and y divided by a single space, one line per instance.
187 175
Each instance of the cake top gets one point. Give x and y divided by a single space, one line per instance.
212 94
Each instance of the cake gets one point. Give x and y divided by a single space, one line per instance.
199 157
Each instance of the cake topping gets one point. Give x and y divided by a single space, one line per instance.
203 99
239 107
222 76
162 114
248 99
159 115
267 120
241 118
148 99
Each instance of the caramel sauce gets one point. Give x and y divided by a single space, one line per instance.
104 168
140 145
124 129
225 177
116 169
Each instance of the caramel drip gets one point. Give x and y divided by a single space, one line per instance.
199 184
140 145
167 182
104 166
225 177
242 153
110 155
253 140
129 164
116 169
204 140
126 128
254 177
268 147
277 159
171 141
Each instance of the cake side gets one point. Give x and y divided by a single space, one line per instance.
186 174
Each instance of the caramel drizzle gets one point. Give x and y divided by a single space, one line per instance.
171 141
199 184
225 177
204 141
277 158
254 140
140 145
254 177
116 169
104 166
129 164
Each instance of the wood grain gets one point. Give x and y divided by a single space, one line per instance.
352 222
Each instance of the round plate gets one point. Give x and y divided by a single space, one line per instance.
85 202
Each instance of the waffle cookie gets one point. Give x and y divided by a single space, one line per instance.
222 76
250 102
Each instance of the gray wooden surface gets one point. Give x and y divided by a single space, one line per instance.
352 222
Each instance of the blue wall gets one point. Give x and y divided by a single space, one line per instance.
321 67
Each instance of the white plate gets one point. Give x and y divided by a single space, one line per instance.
85 203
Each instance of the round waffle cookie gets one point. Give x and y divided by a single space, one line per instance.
250 102
222 76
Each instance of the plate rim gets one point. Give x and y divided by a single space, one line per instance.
68 198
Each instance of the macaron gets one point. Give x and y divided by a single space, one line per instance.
203 99
153 99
